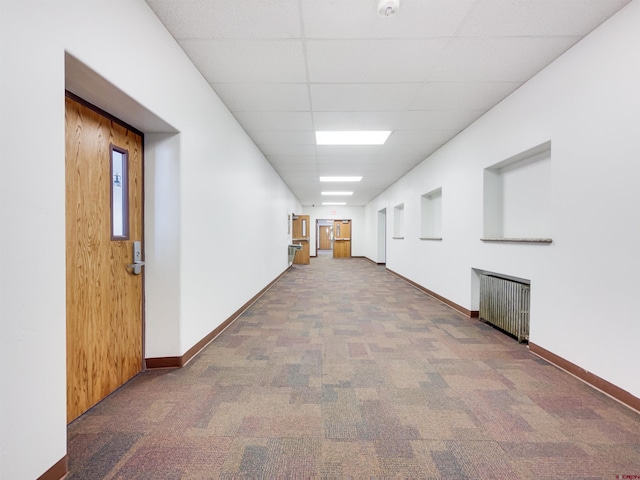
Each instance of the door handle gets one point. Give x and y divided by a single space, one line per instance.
136 266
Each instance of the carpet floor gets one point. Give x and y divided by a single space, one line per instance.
343 370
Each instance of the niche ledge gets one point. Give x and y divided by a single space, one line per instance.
518 240
430 238
398 238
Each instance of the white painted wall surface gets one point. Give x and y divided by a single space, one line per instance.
338 212
211 230
585 284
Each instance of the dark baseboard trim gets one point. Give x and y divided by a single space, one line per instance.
374 262
57 471
446 301
604 386
181 361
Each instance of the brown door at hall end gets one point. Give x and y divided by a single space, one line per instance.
300 234
324 237
103 218
342 239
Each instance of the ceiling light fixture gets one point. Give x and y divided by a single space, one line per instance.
334 203
340 179
352 137
386 8
336 193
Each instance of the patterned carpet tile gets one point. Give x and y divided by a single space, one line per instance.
362 376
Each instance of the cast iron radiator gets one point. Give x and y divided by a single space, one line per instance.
505 304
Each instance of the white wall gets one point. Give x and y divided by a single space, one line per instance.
339 212
585 284
211 231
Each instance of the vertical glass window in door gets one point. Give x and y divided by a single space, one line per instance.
119 194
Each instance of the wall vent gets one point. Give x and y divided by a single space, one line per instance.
505 304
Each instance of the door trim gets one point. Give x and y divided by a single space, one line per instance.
98 110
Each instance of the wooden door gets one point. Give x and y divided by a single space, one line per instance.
301 237
104 297
324 237
342 239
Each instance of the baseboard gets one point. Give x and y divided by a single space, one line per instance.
446 301
374 262
57 471
601 384
181 361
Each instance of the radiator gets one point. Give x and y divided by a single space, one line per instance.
505 304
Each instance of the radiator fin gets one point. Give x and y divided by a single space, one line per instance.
505 304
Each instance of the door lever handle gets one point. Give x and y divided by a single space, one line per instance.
136 268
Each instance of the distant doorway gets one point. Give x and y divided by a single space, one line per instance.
324 235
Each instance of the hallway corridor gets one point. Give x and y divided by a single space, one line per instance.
343 370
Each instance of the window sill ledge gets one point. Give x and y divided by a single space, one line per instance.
518 240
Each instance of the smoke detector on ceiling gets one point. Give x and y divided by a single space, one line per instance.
386 8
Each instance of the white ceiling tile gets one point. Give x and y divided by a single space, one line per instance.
411 151
419 137
266 97
356 120
331 97
286 137
348 150
537 17
345 159
286 68
274 120
505 59
461 95
285 149
225 61
229 19
360 19
372 61
437 120
292 160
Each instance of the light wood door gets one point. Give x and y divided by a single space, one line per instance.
342 239
104 298
324 237
300 233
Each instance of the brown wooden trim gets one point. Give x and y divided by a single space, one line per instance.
595 381
444 300
57 471
91 106
474 313
374 262
178 362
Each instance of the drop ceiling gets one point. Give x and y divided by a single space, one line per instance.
286 68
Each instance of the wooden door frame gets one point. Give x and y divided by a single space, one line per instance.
133 129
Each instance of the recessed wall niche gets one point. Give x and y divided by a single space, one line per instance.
398 221
431 215
517 197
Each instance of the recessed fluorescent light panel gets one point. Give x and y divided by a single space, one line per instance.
352 138
334 203
337 193
340 179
